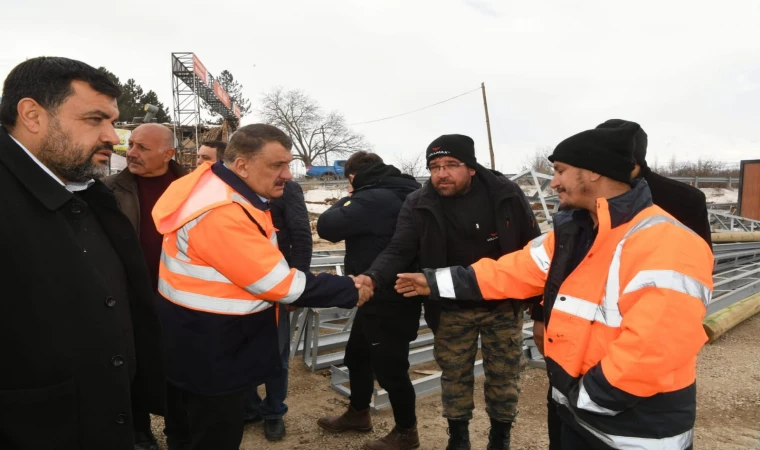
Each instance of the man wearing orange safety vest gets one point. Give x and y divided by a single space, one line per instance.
221 273
625 288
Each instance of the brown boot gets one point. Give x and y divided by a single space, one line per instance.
397 439
351 420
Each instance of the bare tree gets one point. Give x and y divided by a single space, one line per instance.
314 133
539 161
412 166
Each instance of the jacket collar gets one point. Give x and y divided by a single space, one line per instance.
238 185
621 209
626 206
128 180
48 191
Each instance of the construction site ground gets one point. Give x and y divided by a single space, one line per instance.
728 398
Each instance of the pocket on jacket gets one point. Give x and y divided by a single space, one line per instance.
39 418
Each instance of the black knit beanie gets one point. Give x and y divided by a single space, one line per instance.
640 151
457 146
606 151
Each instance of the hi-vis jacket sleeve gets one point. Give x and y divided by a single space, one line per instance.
664 286
519 275
227 240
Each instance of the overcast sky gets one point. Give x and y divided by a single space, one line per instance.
687 71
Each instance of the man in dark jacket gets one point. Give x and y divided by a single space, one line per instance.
464 213
150 170
79 332
379 341
290 217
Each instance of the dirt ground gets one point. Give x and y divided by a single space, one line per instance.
728 406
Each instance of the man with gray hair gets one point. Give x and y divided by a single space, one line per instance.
150 170
221 279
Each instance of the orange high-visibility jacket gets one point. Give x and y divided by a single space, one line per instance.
216 259
625 326
220 271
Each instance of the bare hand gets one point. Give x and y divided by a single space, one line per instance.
365 294
363 280
412 284
366 288
538 336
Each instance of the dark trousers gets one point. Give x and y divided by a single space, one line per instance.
141 422
379 346
571 440
207 422
273 405
554 423
172 421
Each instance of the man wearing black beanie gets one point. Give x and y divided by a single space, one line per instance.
463 213
617 274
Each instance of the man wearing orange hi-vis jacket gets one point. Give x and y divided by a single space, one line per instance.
221 273
625 289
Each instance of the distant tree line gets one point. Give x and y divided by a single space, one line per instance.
133 100
703 167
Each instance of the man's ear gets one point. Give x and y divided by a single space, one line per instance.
30 115
240 167
170 152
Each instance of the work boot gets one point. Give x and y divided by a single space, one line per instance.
459 435
274 429
397 439
351 420
498 438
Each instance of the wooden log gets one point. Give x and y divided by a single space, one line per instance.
736 236
719 322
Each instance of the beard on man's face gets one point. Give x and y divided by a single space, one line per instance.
70 161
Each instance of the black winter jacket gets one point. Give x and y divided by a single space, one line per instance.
64 385
290 217
367 221
420 232
686 203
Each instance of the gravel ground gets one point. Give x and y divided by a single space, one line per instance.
728 406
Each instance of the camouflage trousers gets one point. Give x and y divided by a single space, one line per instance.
456 346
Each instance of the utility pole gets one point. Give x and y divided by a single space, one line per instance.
488 126
324 145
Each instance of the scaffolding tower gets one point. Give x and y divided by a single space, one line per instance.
191 84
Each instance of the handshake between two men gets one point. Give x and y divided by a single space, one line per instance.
408 284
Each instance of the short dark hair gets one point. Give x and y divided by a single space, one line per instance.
360 161
250 139
47 80
220 146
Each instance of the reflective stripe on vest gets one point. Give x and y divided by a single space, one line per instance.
679 442
211 304
608 312
445 283
538 253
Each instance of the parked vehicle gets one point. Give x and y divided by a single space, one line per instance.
326 173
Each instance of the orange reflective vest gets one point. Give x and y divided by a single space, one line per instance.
626 324
220 272
209 241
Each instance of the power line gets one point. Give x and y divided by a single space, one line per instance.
416 110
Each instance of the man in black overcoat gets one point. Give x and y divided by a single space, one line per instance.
79 333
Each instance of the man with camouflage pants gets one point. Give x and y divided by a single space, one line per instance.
465 212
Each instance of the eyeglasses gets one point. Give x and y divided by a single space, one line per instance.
448 166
